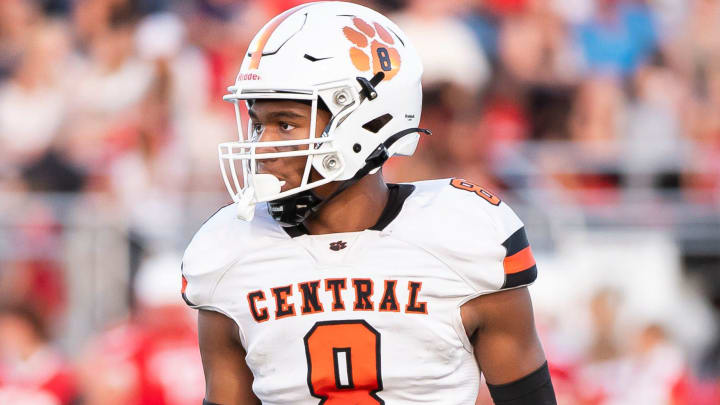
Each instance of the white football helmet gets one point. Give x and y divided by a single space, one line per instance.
362 67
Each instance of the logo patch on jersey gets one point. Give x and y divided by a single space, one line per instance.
373 48
338 245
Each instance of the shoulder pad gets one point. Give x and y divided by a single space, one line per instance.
219 243
472 231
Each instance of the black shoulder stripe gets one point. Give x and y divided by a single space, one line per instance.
516 242
524 277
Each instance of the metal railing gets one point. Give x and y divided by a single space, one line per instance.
90 238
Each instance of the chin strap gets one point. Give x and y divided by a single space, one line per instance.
295 209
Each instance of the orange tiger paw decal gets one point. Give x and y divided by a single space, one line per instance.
373 45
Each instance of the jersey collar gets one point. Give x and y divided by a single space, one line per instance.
398 194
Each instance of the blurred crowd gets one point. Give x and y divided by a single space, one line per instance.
114 107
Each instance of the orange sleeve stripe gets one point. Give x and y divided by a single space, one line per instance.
184 285
518 262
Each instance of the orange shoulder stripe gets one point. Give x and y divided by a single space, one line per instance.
518 262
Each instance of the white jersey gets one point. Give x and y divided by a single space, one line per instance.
369 317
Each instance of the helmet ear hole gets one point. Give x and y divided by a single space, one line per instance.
321 105
378 123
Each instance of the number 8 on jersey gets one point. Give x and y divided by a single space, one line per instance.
344 362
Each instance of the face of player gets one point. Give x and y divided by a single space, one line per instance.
283 120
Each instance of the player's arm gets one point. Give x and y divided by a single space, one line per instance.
228 380
501 329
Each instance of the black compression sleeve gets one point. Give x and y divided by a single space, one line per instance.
533 389
206 402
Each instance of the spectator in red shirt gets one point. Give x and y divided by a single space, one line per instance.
152 358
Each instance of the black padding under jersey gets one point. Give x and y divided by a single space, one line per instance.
534 389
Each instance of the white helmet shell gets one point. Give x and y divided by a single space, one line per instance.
318 51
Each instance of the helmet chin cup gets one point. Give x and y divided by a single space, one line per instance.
263 185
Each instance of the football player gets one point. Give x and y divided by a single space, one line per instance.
322 284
